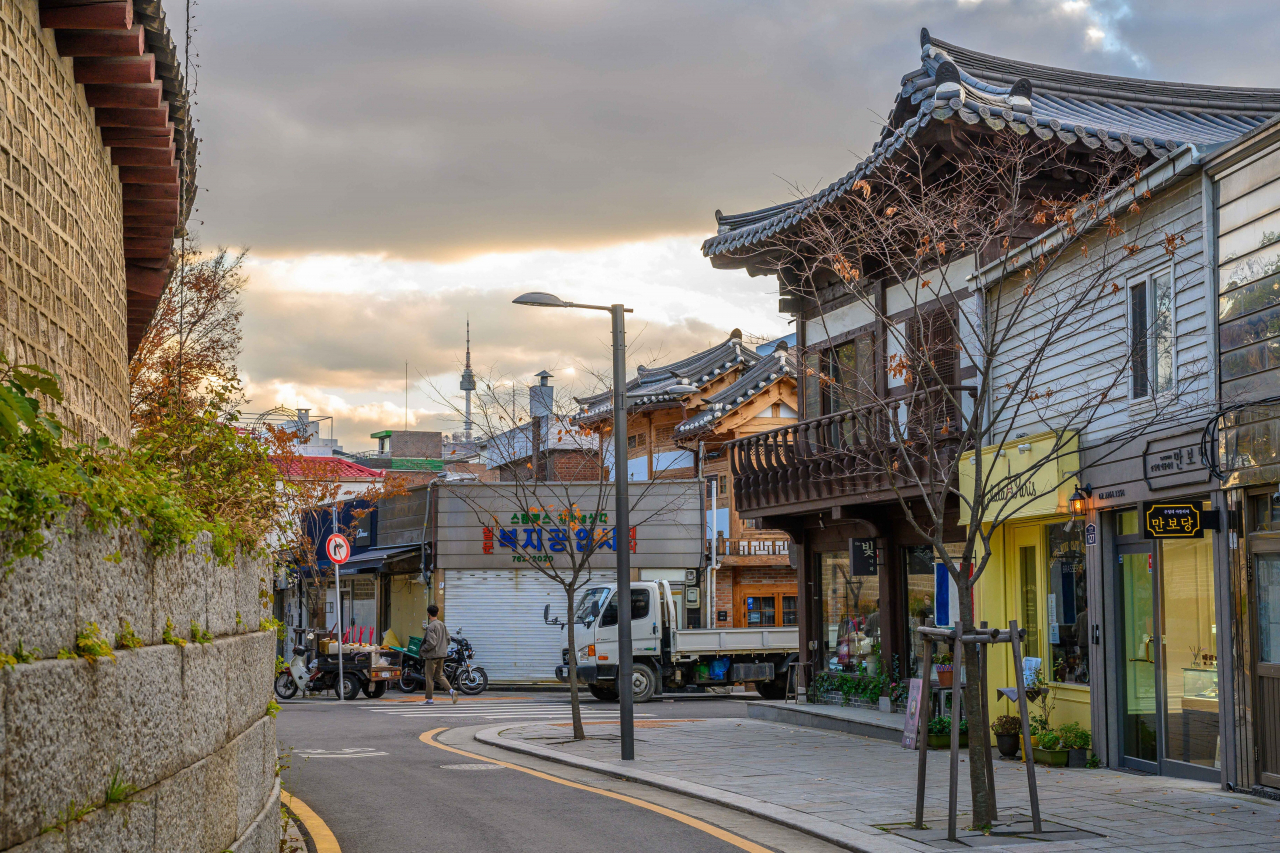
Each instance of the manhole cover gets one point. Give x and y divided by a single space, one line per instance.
472 767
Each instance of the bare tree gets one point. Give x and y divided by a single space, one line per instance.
559 476
1008 261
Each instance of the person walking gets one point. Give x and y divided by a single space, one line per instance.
435 648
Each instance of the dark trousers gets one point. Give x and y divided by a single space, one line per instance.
433 670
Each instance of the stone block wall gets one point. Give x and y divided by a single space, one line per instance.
62 279
187 726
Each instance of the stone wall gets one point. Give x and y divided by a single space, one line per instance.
62 280
187 726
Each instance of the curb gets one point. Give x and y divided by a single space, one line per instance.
316 831
825 830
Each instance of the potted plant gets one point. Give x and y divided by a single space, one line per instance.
940 733
1007 729
1076 741
945 669
873 661
1050 751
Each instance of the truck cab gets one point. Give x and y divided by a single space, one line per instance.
665 657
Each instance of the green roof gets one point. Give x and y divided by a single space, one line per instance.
386 433
436 465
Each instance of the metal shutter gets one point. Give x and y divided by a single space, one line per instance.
500 612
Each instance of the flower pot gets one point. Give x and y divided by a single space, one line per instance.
1008 745
886 706
1077 758
944 741
944 675
1050 757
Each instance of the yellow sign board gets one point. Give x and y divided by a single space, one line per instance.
1026 477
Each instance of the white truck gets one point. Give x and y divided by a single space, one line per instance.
667 658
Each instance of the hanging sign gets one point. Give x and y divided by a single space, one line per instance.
1091 534
1176 520
862 558
337 548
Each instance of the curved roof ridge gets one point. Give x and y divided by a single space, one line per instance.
1115 89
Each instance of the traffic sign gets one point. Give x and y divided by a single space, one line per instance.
338 548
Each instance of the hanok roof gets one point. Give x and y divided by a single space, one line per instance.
962 87
767 371
651 383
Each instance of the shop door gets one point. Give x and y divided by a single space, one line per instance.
1266 574
1139 650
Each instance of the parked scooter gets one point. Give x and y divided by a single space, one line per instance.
293 676
466 678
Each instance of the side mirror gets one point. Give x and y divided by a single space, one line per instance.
546 614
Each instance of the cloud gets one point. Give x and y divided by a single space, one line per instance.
441 130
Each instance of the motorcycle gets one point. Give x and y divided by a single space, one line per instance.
466 678
294 675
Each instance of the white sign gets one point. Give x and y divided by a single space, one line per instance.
338 548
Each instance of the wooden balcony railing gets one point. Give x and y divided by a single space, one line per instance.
752 547
842 457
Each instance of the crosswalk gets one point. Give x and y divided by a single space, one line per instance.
496 709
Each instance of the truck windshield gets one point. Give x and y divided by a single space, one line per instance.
595 595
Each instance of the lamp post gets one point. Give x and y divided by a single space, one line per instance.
621 518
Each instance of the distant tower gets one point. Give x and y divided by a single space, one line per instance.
468 384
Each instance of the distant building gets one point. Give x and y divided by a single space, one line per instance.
313 436
547 447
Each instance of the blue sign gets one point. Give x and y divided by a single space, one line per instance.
1091 534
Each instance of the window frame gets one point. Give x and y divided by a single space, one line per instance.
1155 382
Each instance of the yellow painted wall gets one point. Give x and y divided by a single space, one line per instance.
997 599
408 607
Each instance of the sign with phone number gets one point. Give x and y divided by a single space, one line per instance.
541 544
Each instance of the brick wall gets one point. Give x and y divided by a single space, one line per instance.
62 285
415 444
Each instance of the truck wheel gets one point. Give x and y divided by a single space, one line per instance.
771 690
643 682
375 689
604 694
350 686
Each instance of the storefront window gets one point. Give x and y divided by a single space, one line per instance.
1127 523
1190 650
1067 605
918 566
1266 513
850 613
789 613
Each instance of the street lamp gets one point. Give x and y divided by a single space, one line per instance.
622 520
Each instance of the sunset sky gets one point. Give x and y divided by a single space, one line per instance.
396 166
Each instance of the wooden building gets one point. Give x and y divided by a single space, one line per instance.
740 391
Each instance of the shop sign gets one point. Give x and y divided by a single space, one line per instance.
1029 477
862 558
1170 462
1177 520
1091 534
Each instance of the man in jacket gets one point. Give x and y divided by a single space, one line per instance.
435 648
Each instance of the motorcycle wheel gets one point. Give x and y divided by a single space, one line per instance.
407 683
375 689
472 683
350 686
286 687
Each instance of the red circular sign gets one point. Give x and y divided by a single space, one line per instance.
338 548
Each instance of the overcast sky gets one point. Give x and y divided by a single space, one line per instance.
395 165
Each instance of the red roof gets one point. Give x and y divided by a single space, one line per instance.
325 466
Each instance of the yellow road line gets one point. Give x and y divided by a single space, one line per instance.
319 831
710 829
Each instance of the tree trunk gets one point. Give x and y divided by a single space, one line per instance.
578 732
979 739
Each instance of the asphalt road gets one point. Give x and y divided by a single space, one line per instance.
363 769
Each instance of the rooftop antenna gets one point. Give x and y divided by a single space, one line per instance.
468 384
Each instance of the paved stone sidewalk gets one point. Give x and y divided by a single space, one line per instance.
868 786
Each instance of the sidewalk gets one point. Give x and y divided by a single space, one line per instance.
859 792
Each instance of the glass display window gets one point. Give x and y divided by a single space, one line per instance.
1067 605
850 613
918 563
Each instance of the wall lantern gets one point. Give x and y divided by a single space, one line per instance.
1079 500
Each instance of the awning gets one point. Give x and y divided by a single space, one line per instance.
374 559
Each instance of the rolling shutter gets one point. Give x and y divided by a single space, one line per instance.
500 613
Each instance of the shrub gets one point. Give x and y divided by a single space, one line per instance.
1074 736
942 726
1006 725
1050 740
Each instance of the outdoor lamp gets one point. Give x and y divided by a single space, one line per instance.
1079 498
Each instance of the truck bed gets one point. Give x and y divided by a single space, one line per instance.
692 641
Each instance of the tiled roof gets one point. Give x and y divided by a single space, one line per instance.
964 87
765 373
324 466
652 383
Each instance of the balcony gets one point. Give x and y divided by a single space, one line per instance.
751 552
838 459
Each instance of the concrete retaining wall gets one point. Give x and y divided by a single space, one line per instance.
188 727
